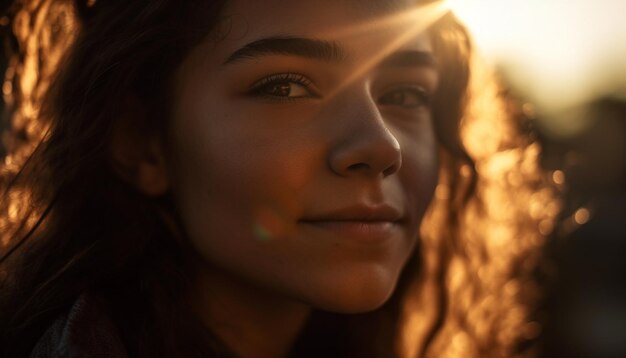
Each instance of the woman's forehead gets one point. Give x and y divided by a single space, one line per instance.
352 24
366 6
311 15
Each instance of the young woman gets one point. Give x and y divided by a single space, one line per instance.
233 178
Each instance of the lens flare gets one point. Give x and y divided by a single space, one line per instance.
407 25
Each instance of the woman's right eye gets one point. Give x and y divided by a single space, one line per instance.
284 86
408 97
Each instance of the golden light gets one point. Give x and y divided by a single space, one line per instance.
558 177
582 216
559 52
411 24
485 309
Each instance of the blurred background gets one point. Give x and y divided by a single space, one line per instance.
566 59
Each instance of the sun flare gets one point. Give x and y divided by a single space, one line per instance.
558 52
415 21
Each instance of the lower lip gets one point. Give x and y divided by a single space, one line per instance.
366 231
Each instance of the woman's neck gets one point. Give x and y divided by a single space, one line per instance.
250 320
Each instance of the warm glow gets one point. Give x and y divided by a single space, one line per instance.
559 52
558 177
582 216
413 22
489 262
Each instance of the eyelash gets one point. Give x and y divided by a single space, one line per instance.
275 79
421 93
260 86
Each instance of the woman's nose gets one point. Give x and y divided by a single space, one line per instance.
364 146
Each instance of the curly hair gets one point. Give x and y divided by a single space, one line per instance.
70 225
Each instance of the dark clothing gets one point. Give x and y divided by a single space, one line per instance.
86 331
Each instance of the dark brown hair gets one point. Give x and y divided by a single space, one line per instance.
83 229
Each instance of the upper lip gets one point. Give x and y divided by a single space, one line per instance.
359 212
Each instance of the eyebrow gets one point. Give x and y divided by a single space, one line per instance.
409 58
327 51
312 48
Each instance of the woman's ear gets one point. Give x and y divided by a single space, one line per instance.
138 153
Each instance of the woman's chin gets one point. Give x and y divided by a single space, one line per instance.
355 295
350 303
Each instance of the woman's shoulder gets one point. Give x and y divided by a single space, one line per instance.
85 330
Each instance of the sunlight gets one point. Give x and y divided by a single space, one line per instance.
420 15
416 21
559 52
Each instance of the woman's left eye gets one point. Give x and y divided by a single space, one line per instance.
283 86
406 97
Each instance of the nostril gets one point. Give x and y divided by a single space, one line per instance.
359 167
392 169
366 159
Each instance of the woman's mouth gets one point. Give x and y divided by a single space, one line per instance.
359 222
358 230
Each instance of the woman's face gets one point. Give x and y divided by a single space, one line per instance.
303 153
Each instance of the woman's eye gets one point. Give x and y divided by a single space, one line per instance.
284 86
284 89
410 98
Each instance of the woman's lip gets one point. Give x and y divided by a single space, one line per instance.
358 230
358 213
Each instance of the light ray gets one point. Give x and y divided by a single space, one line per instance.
415 21
416 14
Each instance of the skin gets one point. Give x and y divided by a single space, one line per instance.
259 179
